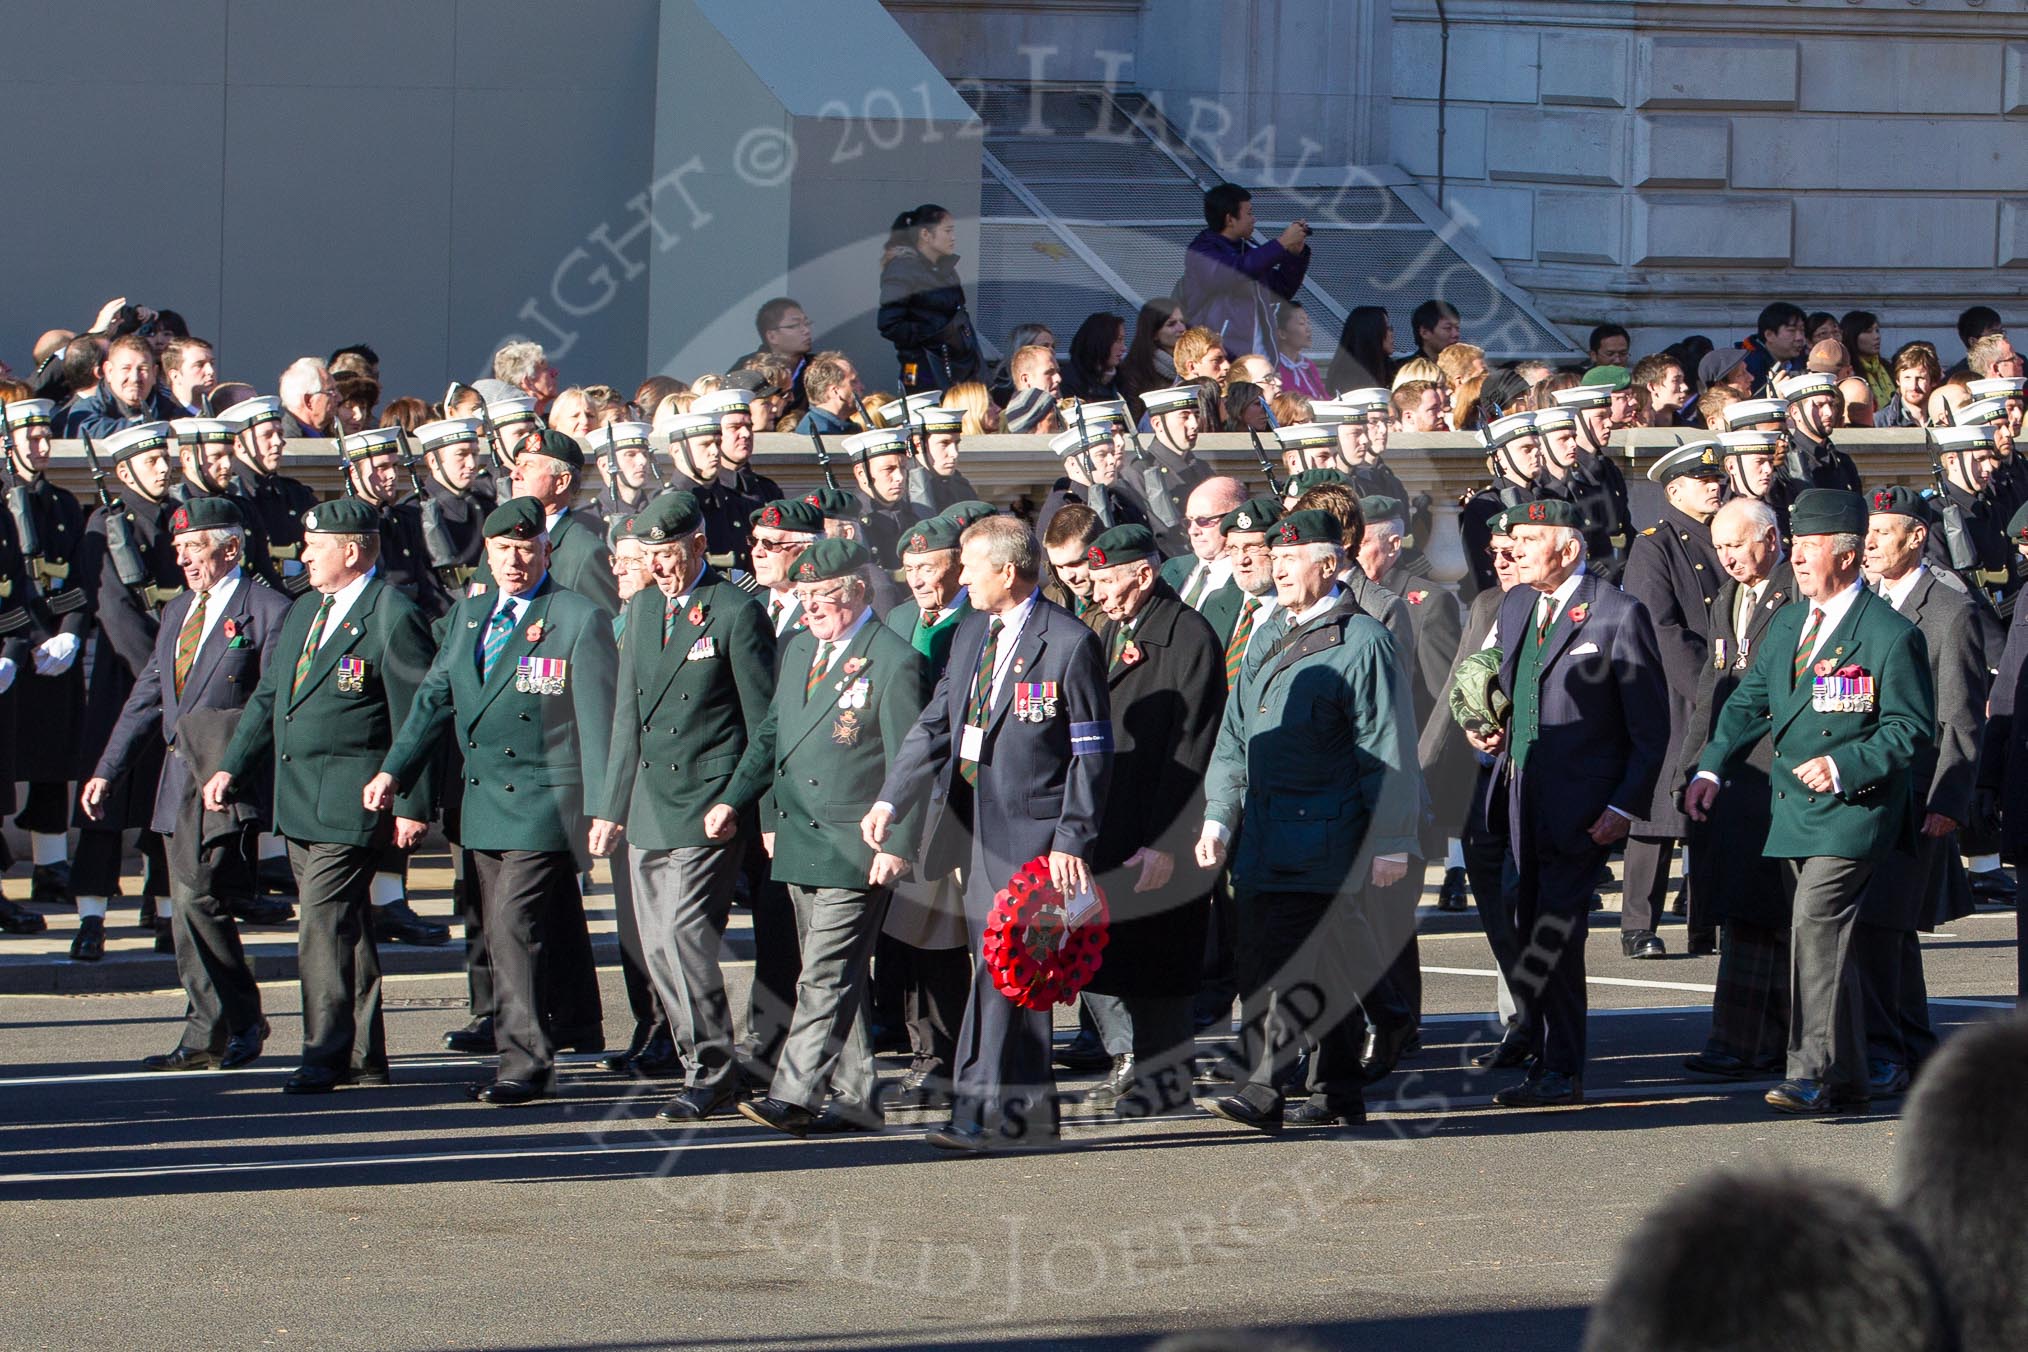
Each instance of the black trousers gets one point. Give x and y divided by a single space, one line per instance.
1644 898
540 954
1894 994
95 864
47 809
1221 957
932 984
777 967
210 962
1550 900
1750 1010
1004 1082
1301 955
339 966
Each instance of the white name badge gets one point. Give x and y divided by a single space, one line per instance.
971 742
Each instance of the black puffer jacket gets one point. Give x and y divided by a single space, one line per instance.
922 312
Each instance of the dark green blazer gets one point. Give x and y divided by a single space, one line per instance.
1221 607
934 642
1873 812
527 767
822 765
328 736
681 713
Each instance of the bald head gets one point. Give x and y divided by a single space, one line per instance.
1210 501
1828 358
51 342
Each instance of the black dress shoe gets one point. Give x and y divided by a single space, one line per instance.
49 885
505 1093
1723 1065
1511 1052
1994 884
313 1080
621 1062
396 923
474 1039
1642 944
262 911
18 919
839 1119
1314 1114
183 1058
243 1049
1886 1079
963 1140
1239 1108
694 1105
1703 944
791 1118
1452 895
1384 1049
1544 1089
1082 1053
165 937
659 1062
1813 1097
1106 1093
89 943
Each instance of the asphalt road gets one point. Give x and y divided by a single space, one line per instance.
211 1210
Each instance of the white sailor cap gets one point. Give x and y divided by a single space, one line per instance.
514 409
688 426
1370 399
722 401
1701 458
433 436
1169 399
1550 419
132 441
1095 412
372 441
1335 411
1979 411
1745 412
1583 396
621 435
31 413
1998 387
253 412
1500 431
864 446
898 412
941 419
1805 384
201 429
1299 436
1067 444
1756 442
1950 440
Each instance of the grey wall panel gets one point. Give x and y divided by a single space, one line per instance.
360 44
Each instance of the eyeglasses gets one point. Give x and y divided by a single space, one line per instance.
1207 522
1502 555
762 545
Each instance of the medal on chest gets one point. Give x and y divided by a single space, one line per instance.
351 675
1035 701
542 675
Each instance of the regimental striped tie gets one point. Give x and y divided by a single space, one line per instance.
1119 645
775 614
982 691
668 620
1545 618
187 639
818 666
312 643
1194 591
1235 648
495 641
1807 646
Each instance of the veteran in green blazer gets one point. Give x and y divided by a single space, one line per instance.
852 690
1842 686
524 683
549 467
349 657
698 675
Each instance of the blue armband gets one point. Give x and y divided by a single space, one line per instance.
1091 739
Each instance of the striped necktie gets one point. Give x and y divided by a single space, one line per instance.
1545 618
312 643
982 691
1242 634
668 620
818 666
775 614
1194 592
187 639
1808 646
495 641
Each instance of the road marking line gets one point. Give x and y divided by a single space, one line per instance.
1696 986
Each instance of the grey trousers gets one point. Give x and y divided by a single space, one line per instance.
340 967
224 1000
1827 1019
681 901
829 1045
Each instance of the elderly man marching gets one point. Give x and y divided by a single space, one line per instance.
1315 773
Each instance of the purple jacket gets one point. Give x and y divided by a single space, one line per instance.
1224 284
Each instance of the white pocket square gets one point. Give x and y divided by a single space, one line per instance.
1581 649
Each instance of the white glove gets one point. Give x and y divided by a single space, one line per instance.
54 655
7 672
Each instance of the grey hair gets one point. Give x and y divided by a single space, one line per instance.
1393 523
1757 513
1844 542
1323 551
299 377
220 534
1008 541
516 362
555 466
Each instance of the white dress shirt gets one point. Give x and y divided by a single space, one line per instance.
215 602
341 606
1897 591
1011 625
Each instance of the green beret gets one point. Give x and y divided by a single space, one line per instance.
517 519
932 536
1120 545
827 559
1382 508
789 514
1545 512
1311 526
1614 378
672 516
1478 704
345 516
2017 525
835 503
1497 524
1897 500
557 446
1254 515
965 513
1828 511
1310 478
205 514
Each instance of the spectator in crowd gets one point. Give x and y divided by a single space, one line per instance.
922 302
1419 407
568 414
1435 325
1245 408
833 385
785 332
1465 413
1990 355
189 371
1035 368
982 415
1201 355
1420 368
1460 362
358 396
1256 370
1776 347
1001 379
1150 363
1820 326
1096 351
357 358
1859 330
407 413
1661 377
1230 285
1916 373
1033 410
1610 345
1974 324
1293 337
127 394
309 399
1855 396
1365 355
527 368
